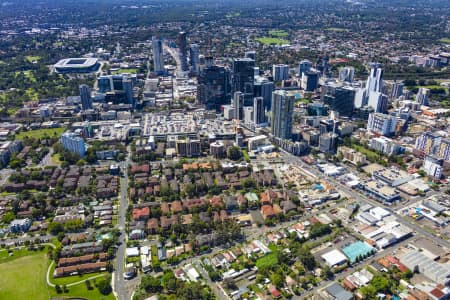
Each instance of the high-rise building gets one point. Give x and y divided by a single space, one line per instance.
422 96
243 77
182 48
248 115
375 80
127 85
264 88
105 84
238 105
85 95
310 80
428 142
259 116
280 72
347 74
378 101
328 142
73 143
158 56
214 88
304 66
397 90
282 114
443 150
188 147
194 58
433 166
339 98
382 124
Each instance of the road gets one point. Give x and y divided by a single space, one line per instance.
363 199
120 289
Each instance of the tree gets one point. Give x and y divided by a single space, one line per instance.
151 284
306 257
104 285
276 280
55 228
8 217
234 153
88 284
58 289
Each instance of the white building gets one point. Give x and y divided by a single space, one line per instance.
334 258
382 124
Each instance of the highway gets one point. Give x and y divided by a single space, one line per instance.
289 158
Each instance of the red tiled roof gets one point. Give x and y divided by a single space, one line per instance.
141 213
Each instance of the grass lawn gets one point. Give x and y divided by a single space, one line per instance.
267 261
371 155
25 278
445 40
272 41
131 71
31 58
40 133
278 33
81 291
56 158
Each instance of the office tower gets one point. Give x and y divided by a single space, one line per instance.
264 88
280 72
339 98
158 56
259 116
248 115
182 48
73 143
397 90
214 88
85 95
243 77
256 71
375 80
238 105
127 85
328 142
422 96
104 84
194 58
282 114
347 74
310 80
378 101
382 124
304 66
317 109
361 98
324 66
250 54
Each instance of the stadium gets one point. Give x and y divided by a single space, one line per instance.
77 65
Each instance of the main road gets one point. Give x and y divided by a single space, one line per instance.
120 288
363 199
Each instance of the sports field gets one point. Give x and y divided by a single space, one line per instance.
24 278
